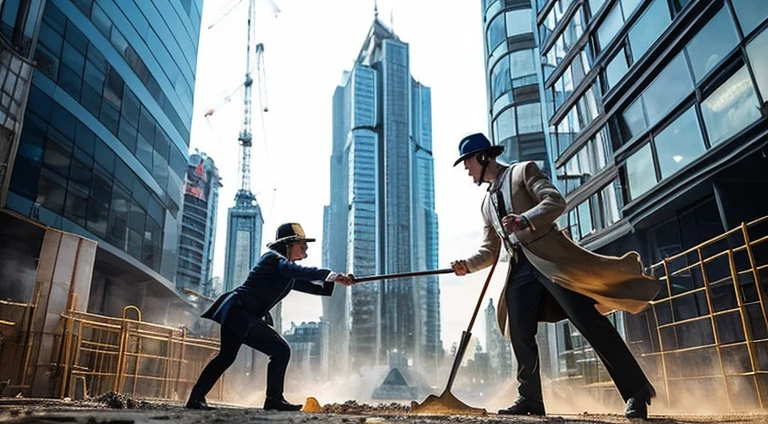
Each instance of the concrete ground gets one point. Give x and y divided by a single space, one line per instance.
14 410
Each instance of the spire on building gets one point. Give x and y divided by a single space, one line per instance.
375 9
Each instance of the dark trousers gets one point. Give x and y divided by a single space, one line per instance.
525 287
261 337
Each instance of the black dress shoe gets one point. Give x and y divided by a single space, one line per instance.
279 404
525 406
637 405
193 403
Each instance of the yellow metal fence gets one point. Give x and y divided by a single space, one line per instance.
709 326
127 355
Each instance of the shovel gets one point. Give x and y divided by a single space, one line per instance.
447 403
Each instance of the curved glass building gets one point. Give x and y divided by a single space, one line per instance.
514 81
103 149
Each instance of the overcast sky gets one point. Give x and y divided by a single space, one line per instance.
307 47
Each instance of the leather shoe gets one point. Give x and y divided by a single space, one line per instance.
201 404
637 405
525 406
279 404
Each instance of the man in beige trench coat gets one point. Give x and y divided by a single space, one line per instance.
550 277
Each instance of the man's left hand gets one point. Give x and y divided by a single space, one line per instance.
514 222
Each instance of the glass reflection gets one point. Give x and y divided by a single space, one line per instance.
641 174
679 144
731 107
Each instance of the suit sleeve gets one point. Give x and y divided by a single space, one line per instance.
551 203
304 276
311 287
491 243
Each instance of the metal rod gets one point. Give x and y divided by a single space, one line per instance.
402 275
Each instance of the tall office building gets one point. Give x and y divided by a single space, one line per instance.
660 138
105 138
198 224
514 81
244 239
381 217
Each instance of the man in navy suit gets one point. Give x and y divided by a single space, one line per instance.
244 315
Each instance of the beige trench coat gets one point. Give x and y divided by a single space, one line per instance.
614 283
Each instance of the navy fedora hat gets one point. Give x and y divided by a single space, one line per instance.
474 144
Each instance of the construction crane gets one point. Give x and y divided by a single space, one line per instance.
245 138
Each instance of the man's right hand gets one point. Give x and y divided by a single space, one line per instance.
460 267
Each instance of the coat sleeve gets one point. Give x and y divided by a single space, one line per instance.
491 243
293 270
551 203
311 287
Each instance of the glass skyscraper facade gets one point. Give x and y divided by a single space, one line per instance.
657 111
515 81
103 150
381 216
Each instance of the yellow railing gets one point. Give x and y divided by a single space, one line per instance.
16 330
715 328
126 355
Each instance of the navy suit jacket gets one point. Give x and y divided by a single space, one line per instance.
273 277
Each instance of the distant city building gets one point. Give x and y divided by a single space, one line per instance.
244 239
499 349
381 216
310 350
198 224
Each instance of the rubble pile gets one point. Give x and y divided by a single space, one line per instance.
115 400
352 407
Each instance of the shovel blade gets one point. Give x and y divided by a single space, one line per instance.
445 404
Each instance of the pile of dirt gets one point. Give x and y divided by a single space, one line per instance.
115 400
352 407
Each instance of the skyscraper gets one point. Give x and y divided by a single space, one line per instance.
104 145
198 224
514 81
244 226
381 217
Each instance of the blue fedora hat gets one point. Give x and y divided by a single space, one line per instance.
474 144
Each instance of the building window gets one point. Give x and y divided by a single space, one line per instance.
610 26
648 28
750 13
519 22
679 144
641 173
731 107
757 50
496 32
711 44
505 125
666 91
529 117
611 205
616 69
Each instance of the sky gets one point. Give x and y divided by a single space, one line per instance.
307 46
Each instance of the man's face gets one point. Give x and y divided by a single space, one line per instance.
474 168
297 251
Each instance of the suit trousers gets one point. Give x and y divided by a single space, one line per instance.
261 337
525 286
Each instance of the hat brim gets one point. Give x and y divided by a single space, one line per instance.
492 151
291 239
